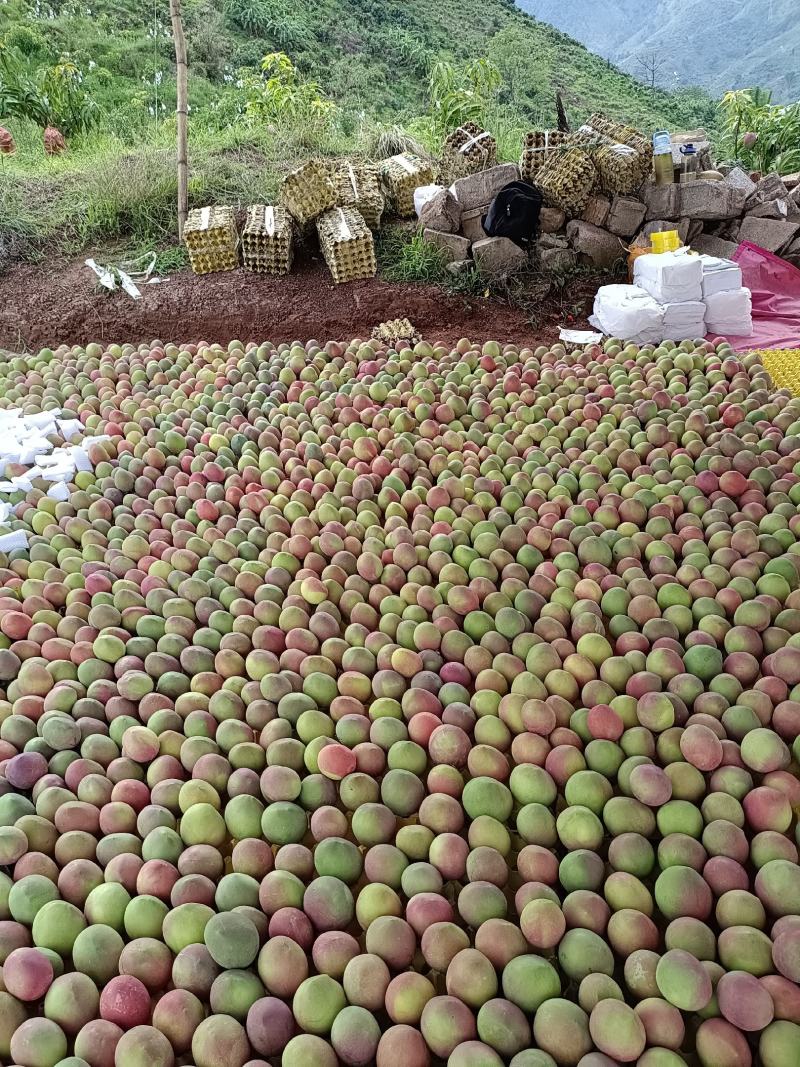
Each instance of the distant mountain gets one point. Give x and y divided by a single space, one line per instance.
719 44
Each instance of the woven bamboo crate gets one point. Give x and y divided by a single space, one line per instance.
539 148
400 176
308 192
358 185
567 181
267 240
467 150
623 157
347 245
211 239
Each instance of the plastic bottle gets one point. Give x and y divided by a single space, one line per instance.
691 163
662 158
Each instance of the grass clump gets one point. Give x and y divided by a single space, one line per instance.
404 256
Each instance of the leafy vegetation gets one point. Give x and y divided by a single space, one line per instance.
47 95
462 94
405 257
279 93
270 82
759 134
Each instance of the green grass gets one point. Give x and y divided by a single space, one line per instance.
404 256
103 191
118 184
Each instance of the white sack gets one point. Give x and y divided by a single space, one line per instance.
670 277
720 275
736 303
684 322
628 312
730 313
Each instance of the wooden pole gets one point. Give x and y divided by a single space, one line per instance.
182 111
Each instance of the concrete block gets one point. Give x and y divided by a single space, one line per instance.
456 247
739 179
596 210
460 266
552 240
783 209
443 213
626 216
771 187
662 201
472 223
478 189
551 220
558 260
498 255
599 247
714 246
711 200
769 233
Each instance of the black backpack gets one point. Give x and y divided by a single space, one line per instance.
514 213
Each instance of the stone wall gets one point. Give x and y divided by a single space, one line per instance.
712 216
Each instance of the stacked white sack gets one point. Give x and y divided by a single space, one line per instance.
730 313
628 312
670 277
685 321
720 275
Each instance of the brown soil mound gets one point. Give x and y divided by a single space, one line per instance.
55 303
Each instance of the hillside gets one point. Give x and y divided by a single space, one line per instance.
372 59
760 45
371 55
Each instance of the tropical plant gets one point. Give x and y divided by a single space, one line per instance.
761 135
275 19
48 96
279 92
461 94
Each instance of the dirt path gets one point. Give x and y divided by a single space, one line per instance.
57 302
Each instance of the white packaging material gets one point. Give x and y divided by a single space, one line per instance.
70 427
14 541
424 194
670 277
720 275
579 337
58 491
684 322
626 311
730 313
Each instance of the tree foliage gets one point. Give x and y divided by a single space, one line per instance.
280 92
278 20
462 94
762 135
47 95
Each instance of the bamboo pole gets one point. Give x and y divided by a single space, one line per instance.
182 111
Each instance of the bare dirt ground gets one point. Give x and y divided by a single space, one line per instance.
58 302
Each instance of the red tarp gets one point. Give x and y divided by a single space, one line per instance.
775 285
